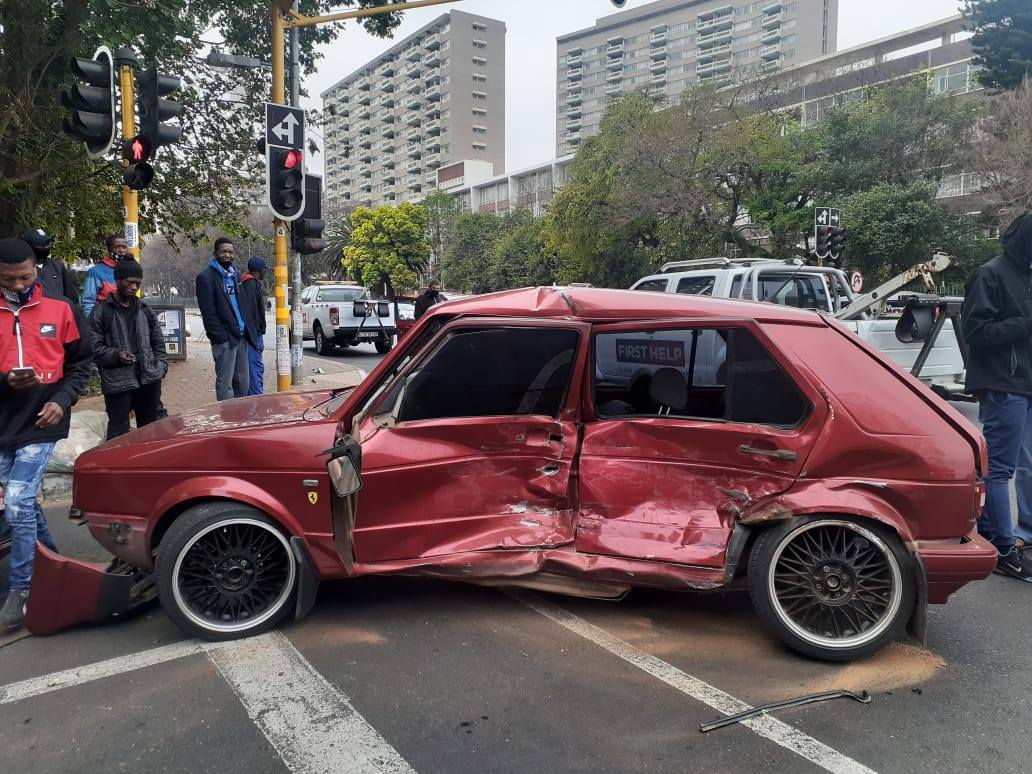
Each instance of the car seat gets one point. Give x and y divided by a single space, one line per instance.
668 391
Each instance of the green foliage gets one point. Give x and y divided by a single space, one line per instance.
1002 40
207 180
388 248
442 211
467 265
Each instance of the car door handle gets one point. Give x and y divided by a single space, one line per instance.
775 454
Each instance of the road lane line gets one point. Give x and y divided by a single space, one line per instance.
311 724
119 665
775 730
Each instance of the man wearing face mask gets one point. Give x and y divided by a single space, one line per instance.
53 274
431 297
997 324
100 279
44 364
218 298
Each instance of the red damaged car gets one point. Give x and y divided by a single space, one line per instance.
572 440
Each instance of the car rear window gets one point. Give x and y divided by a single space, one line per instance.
341 294
696 286
804 291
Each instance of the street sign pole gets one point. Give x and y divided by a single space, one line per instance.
279 227
125 59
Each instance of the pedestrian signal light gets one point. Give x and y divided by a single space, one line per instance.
137 151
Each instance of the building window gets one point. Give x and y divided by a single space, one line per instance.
479 129
479 61
480 44
479 96
479 27
479 112
479 78
479 146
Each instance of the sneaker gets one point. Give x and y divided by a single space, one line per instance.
12 615
1015 564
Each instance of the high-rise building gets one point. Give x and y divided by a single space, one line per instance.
671 44
436 96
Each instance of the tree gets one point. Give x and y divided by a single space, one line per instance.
441 213
521 257
45 178
467 265
388 248
1003 154
1002 40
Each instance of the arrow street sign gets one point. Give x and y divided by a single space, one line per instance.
826 216
284 126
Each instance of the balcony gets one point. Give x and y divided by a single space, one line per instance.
770 65
433 144
387 87
433 59
432 42
573 60
772 51
714 53
414 135
574 98
413 55
658 53
362 84
658 79
388 101
614 77
366 99
658 39
715 38
433 160
414 120
772 6
365 113
771 36
614 64
657 65
573 124
366 157
574 113
614 88
575 73
433 110
413 102
389 179
714 66
388 162
433 127
412 70
716 19
431 177
386 70
774 20
365 143
415 152
414 165
433 93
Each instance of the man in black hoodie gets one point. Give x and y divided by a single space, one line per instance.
997 324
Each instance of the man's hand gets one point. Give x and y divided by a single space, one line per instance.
127 357
22 381
50 415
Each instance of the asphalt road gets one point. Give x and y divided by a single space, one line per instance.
398 675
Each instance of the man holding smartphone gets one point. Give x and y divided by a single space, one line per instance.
44 364
129 349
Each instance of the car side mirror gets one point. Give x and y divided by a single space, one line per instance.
344 465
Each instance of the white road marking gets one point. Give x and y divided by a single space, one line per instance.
311 724
777 731
119 665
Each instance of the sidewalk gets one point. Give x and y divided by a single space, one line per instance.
191 383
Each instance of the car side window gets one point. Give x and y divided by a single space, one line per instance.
696 286
654 285
492 372
306 296
736 286
696 373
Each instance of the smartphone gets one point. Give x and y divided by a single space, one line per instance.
24 371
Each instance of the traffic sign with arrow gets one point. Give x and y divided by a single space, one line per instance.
284 126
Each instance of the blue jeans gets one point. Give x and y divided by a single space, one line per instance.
1007 425
21 473
231 379
256 366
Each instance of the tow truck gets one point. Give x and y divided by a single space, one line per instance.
342 314
919 331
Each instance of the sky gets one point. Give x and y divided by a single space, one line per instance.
532 27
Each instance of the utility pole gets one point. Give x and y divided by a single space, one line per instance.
125 60
286 16
297 370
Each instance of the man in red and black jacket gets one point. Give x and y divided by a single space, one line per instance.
44 364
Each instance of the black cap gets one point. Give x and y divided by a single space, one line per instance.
14 250
37 238
128 270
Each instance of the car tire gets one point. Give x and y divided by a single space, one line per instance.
322 345
225 571
832 588
383 347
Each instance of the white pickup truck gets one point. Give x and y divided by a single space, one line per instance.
343 315
823 289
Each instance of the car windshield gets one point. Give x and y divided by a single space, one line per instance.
341 294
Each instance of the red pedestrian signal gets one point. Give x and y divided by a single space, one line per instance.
137 151
293 159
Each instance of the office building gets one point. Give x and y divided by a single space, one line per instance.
672 44
436 96
531 188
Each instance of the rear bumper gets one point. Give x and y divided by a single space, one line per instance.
949 566
352 334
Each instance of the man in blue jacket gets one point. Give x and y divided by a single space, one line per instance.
100 279
218 297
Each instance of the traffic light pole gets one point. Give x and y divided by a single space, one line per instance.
279 227
130 198
297 369
278 9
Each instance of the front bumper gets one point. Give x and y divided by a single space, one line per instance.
949 566
66 592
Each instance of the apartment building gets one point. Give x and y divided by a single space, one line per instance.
531 188
671 44
435 96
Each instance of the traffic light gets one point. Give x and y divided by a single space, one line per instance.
92 103
823 240
306 232
138 151
151 88
285 182
837 241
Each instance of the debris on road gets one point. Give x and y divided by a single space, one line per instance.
863 697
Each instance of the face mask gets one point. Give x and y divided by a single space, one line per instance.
19 299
